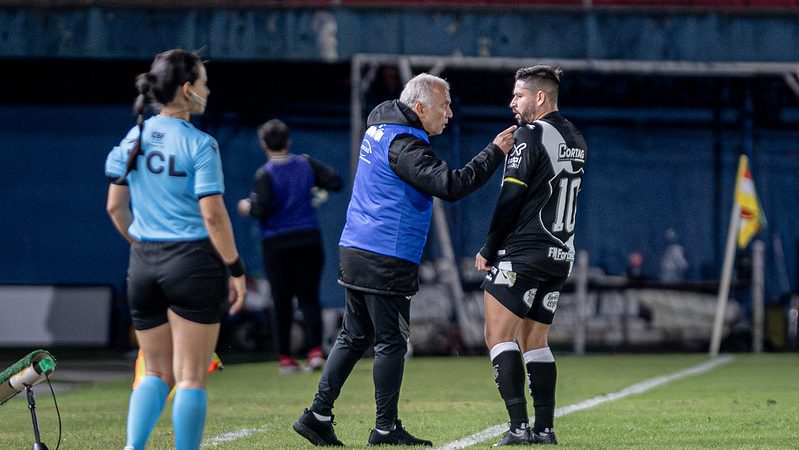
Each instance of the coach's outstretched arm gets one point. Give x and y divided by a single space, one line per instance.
414 161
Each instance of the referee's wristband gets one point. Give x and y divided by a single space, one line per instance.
236 268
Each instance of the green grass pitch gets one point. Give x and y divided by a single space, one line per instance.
749 403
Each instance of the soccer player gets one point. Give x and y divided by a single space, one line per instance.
282 198
380 248
529 251
181 245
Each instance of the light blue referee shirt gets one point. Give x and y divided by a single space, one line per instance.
177 166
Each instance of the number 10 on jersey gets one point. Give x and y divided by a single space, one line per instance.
566 210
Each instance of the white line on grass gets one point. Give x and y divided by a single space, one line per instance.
637 388
231 436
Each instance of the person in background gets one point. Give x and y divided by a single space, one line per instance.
388 219
529 251
285 192
673 264
635 266
182 245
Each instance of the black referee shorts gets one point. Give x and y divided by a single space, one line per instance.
524 290
187 277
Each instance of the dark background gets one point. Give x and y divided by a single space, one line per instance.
663 149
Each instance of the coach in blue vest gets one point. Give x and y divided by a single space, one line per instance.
380 248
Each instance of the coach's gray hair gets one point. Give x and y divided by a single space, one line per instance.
420 89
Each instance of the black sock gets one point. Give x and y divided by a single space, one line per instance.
509 376
542 376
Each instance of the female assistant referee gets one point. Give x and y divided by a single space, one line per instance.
182 245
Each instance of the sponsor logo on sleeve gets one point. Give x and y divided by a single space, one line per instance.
515 156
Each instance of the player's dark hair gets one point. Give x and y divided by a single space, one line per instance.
169 70
541 78
274 134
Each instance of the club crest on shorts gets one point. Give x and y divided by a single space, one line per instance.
529 296
550 301
505 274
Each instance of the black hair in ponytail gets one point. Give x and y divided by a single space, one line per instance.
168 72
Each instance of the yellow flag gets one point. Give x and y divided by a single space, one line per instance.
752 217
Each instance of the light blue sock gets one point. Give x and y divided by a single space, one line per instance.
146 403
188 418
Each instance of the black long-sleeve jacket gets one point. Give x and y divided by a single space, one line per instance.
414 161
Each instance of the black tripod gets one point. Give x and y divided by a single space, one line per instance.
38 445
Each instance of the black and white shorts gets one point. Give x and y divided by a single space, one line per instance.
187 277
524 290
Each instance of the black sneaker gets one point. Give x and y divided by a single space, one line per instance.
543 437
397 436
519 437
319 433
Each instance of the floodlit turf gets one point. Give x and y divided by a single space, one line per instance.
746 404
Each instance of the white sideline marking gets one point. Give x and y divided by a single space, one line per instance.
637 388
232 436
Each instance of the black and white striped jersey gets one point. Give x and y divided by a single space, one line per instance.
534 219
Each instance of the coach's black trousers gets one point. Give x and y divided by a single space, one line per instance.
370 319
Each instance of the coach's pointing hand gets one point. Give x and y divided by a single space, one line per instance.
505 140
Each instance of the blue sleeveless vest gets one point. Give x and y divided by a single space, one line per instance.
386 215
292 180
